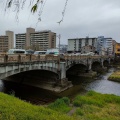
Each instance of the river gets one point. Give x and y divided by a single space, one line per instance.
40 96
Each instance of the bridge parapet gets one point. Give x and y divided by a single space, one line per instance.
32 58
81 57
27 58
74 57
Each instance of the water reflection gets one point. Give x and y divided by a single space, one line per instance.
104 86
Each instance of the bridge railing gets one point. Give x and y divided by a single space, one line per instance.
27 58
80 57
74 57
32 58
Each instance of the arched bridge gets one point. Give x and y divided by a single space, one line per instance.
14 64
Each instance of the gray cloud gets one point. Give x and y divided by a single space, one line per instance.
82 18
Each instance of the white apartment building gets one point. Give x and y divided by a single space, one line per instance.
109 45
36 40
104 45
76 44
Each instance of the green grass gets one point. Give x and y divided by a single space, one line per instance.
12 108
96 106
61 105
115 76
92 106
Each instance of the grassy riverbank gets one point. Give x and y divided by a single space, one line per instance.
115 76
96 106
92 106
12 108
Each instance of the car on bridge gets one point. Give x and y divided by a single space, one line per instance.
29 52
52 51
39 52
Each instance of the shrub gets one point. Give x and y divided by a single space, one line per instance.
66 100
61 105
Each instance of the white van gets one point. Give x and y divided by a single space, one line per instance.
16 51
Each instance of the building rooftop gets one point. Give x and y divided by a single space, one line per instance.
83 38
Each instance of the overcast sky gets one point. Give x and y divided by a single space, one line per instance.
82 18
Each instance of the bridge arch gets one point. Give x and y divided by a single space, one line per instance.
9 70
96 65
76 69
105 63
38 78
34 76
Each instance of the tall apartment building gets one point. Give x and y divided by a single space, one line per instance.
7 41
28 32
76 44
104 45
109 46
40 40
20 41
43 40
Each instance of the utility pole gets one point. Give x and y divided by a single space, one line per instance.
59 43
59 36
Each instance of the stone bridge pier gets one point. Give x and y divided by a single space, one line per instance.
63 80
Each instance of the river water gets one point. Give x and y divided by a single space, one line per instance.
40 96
103 85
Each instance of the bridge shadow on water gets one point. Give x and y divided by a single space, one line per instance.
28 93
40 96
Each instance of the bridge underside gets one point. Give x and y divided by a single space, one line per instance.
38 78
97 66
105 63
77 69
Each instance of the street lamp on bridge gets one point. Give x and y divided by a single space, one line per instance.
59 36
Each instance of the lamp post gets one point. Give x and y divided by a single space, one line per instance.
59 36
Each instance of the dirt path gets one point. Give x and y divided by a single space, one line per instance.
71 112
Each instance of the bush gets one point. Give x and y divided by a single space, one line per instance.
66 100
61 105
